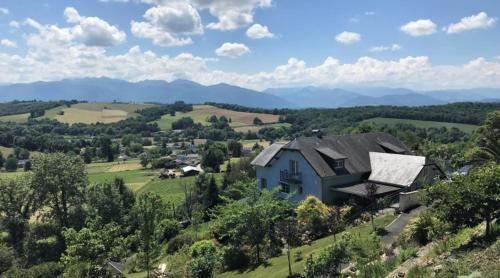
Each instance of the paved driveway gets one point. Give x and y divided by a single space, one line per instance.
396 227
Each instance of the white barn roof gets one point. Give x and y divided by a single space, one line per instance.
395 169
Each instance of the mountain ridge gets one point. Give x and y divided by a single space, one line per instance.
106 89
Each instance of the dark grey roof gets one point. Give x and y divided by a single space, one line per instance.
355 147
266 155
392 147
331 153
360 189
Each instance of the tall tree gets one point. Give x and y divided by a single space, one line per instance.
488 139
150 211
59 181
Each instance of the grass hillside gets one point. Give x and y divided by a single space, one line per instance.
90 113
18 118
241 121
423 124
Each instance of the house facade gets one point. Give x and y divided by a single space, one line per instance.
334 167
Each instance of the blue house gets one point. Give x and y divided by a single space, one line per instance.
334 167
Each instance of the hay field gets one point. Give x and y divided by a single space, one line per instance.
94 112
200 114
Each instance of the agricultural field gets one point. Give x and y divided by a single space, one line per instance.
6 151
90 113
18 118
423 124
200 113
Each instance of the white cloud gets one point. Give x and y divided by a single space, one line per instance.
8 43
55 62
232 50
478 21
421 27
258 31
231 14
4 11
394 47
370 13
14 24
93 31
348 37
169 25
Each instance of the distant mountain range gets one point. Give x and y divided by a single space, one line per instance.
107 89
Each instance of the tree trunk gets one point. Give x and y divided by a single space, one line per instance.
289 263
488 224
258 253
147 264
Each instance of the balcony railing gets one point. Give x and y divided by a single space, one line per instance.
286 176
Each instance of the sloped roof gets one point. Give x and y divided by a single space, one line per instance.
267 154
395 169
354 148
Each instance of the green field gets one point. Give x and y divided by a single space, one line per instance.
6 151
94 112
200 114
423 124
18 118
171 190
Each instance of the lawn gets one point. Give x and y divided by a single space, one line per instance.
278 267
171 190
17 118
94 112
134 179
6 151
423 124
200 114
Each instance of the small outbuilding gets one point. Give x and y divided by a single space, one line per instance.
191 171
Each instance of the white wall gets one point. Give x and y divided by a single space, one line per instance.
409 200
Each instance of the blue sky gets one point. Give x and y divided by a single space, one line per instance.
255 43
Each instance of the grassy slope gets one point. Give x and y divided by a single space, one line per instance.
18 118
423 124
278 267
171 190
201 112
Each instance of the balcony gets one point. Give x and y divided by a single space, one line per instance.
287 177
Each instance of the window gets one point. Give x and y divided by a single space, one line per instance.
294 167
263 183
301 190
285 188
338 164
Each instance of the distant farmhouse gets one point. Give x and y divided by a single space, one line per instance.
339 167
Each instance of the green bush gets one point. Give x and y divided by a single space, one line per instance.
179 241
6 258
203 259
425 228
328 262
44 270
167 229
